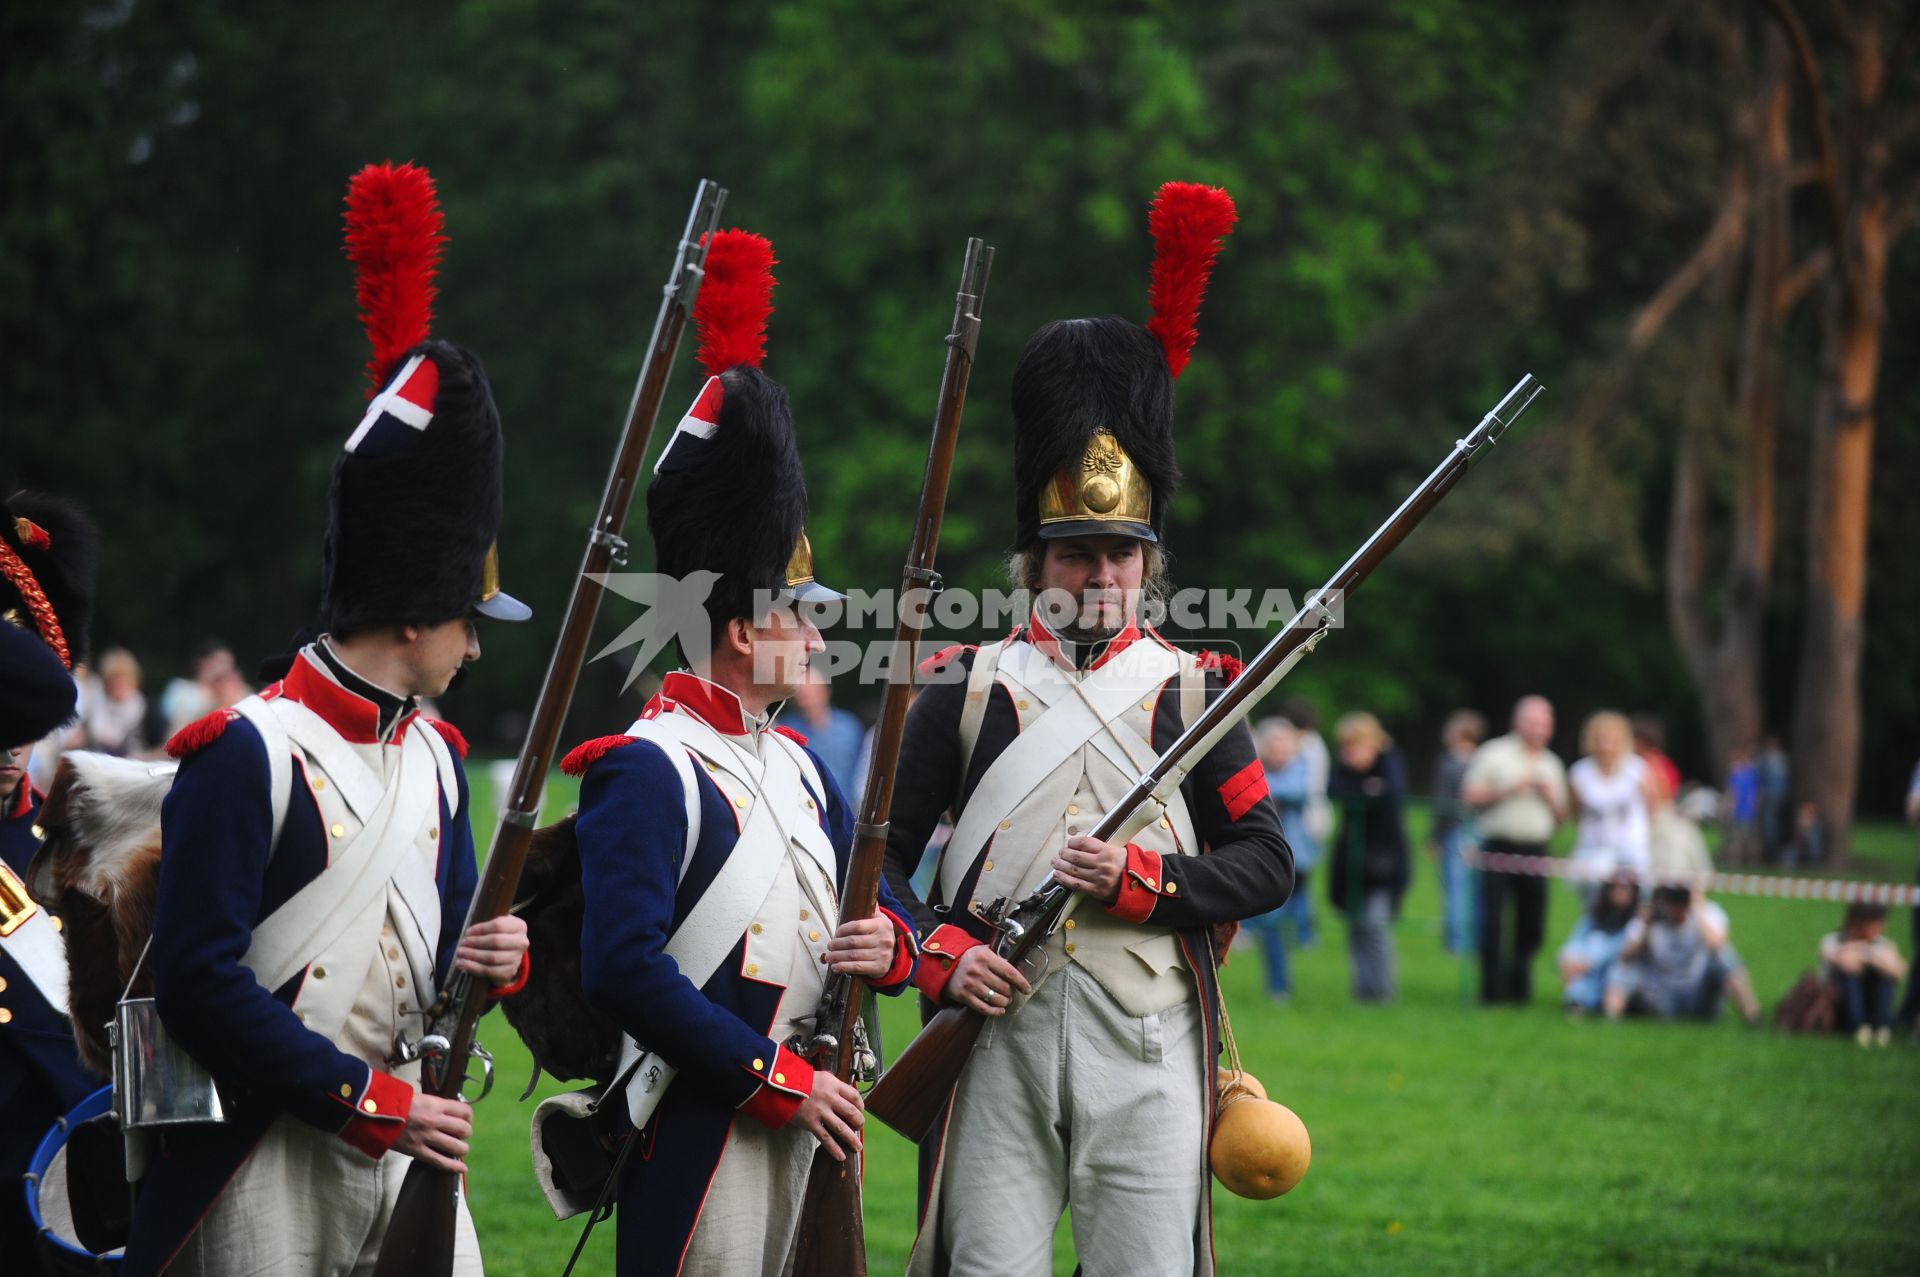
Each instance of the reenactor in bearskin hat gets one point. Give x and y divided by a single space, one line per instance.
317 862
713 844
46 601
1098 1093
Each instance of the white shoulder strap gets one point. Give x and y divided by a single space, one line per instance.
279 747
711 929
443 759
675 749
1193 691
973 712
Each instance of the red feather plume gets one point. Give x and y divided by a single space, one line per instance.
734 300
1188 222
394 234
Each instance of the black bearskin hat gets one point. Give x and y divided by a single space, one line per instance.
1092 399
728 494
47 567
415 501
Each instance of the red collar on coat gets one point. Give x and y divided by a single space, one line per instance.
22 801
356 718
1047 641
707 701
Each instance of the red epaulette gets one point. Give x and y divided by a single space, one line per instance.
200 733
945 656
790 734
586 755
1228 667
451 734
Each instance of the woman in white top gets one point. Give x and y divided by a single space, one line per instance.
1612 795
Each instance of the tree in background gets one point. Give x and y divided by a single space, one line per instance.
1858 89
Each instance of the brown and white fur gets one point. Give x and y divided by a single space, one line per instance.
98 869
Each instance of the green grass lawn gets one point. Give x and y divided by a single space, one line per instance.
1452 1140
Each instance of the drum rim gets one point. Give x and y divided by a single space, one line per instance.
101 1101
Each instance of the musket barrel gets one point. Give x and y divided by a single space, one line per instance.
910 1096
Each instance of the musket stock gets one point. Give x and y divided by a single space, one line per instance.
911 1095
419 1240
831 1241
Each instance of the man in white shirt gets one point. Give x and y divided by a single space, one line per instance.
1518 787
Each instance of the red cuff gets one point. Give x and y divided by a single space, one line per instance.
905 951
784 1085
519 980
379 1116
1140 886
938 953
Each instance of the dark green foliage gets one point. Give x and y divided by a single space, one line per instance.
1435 196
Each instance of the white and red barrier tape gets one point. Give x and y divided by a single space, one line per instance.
1842 890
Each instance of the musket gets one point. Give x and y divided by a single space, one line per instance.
831 1241
419 1240
912 1094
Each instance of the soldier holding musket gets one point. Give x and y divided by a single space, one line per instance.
714 846
1098 1093
317 860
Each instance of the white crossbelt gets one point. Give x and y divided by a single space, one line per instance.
391 814
1087 716
34 943
717 920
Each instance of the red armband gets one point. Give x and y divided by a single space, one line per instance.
519 980
379 1116
1140 886
785 1084
938 953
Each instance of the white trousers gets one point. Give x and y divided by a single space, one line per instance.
1071 1101
752 1209
308 1204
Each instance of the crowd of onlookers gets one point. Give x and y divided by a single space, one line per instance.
116 716
1648 941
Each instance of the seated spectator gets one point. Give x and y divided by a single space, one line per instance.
1368 869
1587 958
1865 966
1809 845
1677 963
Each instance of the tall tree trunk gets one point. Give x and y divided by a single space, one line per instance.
1724 646
1855 160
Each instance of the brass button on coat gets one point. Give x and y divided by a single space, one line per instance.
339 830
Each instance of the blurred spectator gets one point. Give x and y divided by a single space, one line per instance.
1774 777
1453 833
1279 745
1368 870
116 709
1866 967
1650 742
1741 846
1612 792
1519 788
832 733
192 697
1809 845
1678 962
1299 711
1588 956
